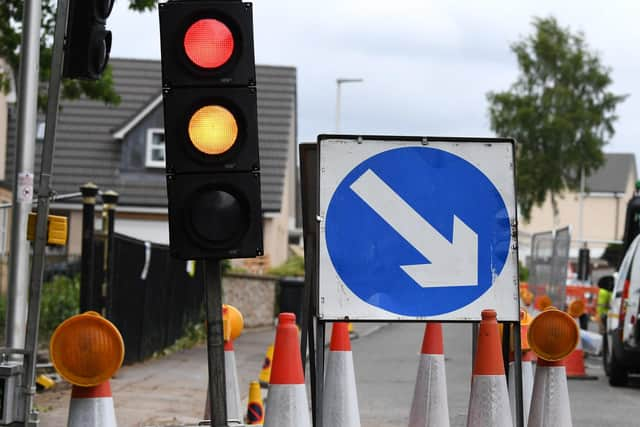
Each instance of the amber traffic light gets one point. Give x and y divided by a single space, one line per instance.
211 129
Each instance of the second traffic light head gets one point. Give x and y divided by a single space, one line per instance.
88 43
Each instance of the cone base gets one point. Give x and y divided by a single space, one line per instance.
340 398
550 400
429 407
287 406
94 411
489 402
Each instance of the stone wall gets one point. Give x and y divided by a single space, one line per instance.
254 296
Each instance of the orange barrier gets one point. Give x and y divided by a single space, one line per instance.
588 294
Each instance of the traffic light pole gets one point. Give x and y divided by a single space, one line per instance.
44 191
215 343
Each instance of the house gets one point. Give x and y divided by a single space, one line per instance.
607 192
121 148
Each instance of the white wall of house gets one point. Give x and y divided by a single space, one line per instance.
603 216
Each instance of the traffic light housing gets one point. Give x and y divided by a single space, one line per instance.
87 41
211 129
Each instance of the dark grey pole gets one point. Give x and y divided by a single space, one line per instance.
320 337
215 343
44 192
18 288
87 294
520 422
109 203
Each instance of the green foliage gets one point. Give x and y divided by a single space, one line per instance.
10 38
60 300
559 110
294 266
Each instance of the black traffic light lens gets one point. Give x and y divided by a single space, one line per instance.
208 43
218 216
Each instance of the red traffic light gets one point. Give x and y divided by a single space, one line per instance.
208 43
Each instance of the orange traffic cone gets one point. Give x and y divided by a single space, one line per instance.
550 402
429 407
288 405
265 372
489 401
340 401
574 363
255 407
91 406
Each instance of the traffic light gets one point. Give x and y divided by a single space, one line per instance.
87 41
211 129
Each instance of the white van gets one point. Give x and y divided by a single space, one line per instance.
621 346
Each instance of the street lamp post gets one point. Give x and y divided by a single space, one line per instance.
339 83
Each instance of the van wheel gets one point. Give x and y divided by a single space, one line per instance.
618 375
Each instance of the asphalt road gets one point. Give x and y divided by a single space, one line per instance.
386 364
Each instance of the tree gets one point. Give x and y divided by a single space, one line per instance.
10 38
559 110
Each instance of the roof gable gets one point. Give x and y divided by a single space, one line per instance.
613 176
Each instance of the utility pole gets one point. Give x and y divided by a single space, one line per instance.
339 83
23 175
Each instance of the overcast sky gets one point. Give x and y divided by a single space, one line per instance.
426 65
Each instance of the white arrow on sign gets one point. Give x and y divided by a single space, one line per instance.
452 263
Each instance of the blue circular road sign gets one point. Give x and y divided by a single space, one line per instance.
394 214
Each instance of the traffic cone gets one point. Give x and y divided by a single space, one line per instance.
429 407
265 372
91 406
574 363
489 401
527 370
288 406
234 405
255 407
550 401
340 398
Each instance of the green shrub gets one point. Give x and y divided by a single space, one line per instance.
294 266
60 300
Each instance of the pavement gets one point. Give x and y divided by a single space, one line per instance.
170 391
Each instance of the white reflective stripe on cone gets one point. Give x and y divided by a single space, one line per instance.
287 406
550 400
489 402
92 412
340 398
430 407
234 405
527 390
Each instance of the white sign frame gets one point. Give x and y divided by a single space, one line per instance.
340 154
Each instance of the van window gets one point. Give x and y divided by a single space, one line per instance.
625 268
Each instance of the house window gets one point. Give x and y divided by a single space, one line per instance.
155 148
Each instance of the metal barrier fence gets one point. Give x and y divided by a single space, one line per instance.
548 264
152 298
